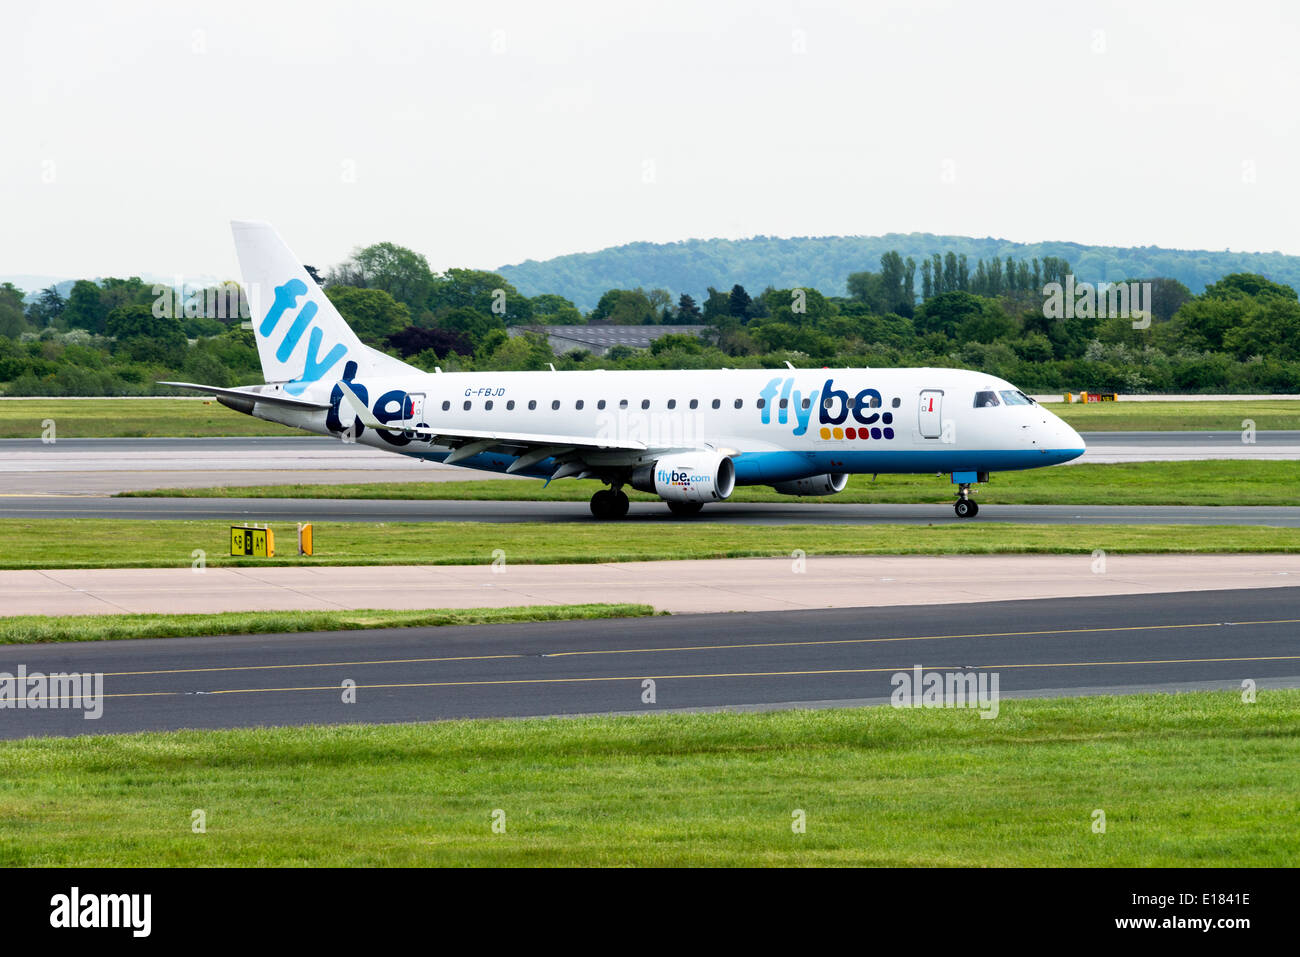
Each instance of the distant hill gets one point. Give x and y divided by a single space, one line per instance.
824 263
33 285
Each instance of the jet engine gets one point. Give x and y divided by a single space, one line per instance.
814 485
688 477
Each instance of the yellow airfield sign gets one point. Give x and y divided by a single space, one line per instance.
247 540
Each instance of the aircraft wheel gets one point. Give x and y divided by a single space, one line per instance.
609 503
685 508
601 506
965 508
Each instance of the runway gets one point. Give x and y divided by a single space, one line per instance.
731 513
107 466
742 661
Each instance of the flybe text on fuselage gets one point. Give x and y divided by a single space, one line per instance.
835 407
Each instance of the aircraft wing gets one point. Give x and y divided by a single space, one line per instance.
531 447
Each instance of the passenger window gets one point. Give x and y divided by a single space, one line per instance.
985 400
762 403
808 402
622 403
672 403
739 403
488 405
445 406
578 404
467 405
532 403
896 402
785 403
645 403
695 403
555 403
717 403
510 405
600 404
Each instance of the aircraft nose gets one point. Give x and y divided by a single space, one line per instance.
1066 439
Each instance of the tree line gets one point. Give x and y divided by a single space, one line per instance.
1242 333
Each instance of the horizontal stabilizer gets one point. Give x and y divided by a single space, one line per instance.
249 394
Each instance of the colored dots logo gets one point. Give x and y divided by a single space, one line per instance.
853 434
859 434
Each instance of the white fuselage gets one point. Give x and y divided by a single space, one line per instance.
777 425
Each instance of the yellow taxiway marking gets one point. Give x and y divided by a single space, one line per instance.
735 674
735 647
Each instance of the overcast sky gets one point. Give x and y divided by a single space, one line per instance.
487 133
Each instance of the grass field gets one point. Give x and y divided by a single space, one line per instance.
29 629
1224 416
128 418
113 543
1199 780
1215 482
86 418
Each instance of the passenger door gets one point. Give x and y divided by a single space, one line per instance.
413 410
930 414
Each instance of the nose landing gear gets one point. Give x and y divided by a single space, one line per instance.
965 506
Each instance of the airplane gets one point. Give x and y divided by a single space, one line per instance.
689 436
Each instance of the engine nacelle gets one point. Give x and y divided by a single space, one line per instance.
688 477
815 485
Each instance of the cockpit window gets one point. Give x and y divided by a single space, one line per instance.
984 400
1016 397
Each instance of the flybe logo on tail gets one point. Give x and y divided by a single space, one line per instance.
834 407
314 367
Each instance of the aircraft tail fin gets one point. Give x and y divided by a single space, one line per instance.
301 338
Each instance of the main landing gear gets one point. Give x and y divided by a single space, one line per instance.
965 506
609 503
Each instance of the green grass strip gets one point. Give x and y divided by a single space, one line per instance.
1205 416
120 543
1194 780
29 629
129 418
1214 482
